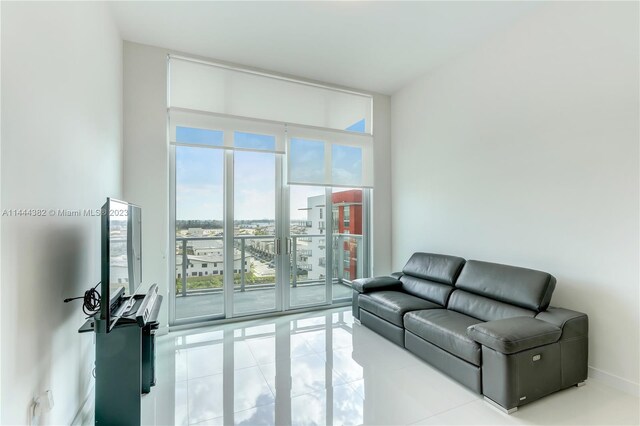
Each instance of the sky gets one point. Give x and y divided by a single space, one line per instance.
199 173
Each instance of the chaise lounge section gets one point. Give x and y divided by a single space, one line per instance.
488 326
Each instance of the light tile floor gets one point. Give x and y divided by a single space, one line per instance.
321 368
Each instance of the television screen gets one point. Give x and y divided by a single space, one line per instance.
121 252
134 248
118 247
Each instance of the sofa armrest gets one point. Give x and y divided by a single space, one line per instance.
513 335
573 324
366 285
396 275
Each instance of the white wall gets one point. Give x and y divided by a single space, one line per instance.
525 151
146 158
146 169
61 148
381 208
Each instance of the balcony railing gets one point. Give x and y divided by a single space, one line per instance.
261 248
353 244
302 223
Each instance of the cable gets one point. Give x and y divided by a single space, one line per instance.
91 300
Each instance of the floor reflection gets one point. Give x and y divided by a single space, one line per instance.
286 370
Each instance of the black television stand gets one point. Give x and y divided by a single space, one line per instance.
125 363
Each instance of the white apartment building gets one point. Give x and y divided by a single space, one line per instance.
311 251
210 264
207 256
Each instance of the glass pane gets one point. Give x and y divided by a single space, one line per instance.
346 165
347 243
308 245
358 126
254 141
199 232
306 161
199 136
118 253
254 231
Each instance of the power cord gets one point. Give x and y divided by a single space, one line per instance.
91 299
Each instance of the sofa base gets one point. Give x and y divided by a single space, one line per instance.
355 308
500 407
462 371
382 327
520 378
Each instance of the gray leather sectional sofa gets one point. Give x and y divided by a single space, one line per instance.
488 326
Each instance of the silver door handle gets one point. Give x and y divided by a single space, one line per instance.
278 246
289 244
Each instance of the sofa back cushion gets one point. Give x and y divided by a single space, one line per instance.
428 290
483 308
434 267
431 276
522 287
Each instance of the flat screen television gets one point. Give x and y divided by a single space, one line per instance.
121 247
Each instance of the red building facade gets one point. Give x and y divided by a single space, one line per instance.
347 220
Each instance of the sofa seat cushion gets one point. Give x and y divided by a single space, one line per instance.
512 335
392 305
447 330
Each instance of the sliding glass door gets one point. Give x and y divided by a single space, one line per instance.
246 243
226 205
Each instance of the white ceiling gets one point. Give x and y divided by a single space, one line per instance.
376 46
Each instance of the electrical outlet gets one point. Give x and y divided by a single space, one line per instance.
46 400
42 403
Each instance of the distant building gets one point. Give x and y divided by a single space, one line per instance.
347 220
206 257
310 251
195 232
210 264
263 246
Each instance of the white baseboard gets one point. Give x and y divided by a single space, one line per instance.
614 381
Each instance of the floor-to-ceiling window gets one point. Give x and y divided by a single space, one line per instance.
270 187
